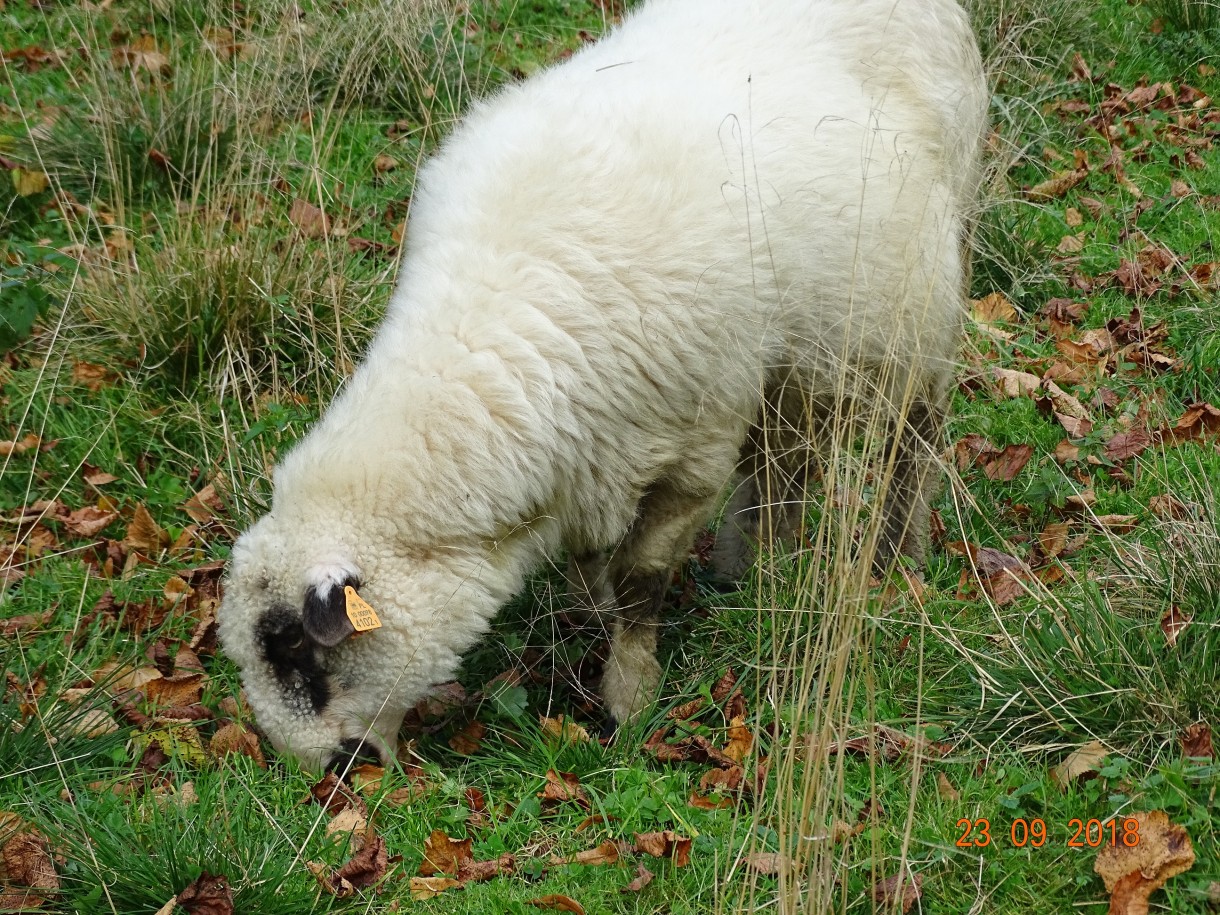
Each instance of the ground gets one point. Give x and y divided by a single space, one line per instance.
200 208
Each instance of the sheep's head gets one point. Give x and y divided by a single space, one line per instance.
320 690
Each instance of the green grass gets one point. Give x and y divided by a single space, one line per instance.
222 325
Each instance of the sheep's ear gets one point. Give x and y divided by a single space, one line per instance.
325 615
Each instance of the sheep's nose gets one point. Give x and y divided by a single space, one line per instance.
353 752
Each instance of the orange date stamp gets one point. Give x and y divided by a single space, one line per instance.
1034 833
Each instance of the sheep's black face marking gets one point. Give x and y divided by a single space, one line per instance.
325 620
293 656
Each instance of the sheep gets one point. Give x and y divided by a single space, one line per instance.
617 274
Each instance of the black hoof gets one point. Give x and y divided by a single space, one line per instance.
610 728
353 752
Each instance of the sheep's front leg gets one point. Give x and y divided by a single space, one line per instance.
633 673
640 570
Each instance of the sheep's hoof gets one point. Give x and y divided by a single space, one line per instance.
352 752
609 729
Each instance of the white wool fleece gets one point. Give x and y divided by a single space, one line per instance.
605 268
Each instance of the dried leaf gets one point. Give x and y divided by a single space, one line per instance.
994 308
562 731
740 740
563 786
768 862
1197 742
144 535
1128 444
901 889
204 505
142 54
1173 624
1169 508
476 871
175 691
310 219
26 862
1053 539
945 788
28 182
643 877
665 844
1197 421
724 687
89 521
1057 185
559 903
423 888
1133 872
232 737
703 802
332 794
367 866
469 739
605 853
1016 384
349 824
1081 762
210 894
444 856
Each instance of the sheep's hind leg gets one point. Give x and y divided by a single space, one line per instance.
767 507
907 509
641 569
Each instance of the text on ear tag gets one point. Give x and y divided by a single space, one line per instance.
363 616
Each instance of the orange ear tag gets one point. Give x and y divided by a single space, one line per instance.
363 616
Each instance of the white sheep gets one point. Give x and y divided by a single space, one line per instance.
616 273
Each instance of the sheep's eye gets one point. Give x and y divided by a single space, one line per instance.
298 644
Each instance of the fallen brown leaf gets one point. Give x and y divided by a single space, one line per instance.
1128 444
27 870
665 844
1197 421
994 308
232 737
724 687
740 741
144 534
209 894
1169 508
367 866
89 521
1197 742
1056 186
703 802
469 740
1173 624
175 691
559 903
1133 873
1081 762
900 889
1012 383
768 862
310 219
442 855
333 795
423 888
643 877
563 786
561 730
605 853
